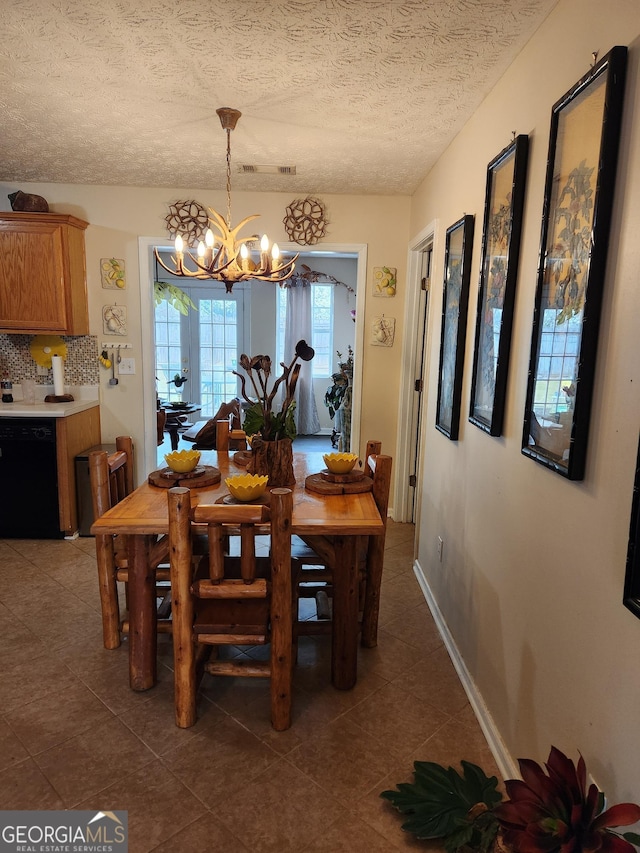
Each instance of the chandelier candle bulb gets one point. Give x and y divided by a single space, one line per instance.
264 253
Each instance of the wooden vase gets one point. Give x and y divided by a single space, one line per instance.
273 458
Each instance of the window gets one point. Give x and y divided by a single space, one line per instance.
321 324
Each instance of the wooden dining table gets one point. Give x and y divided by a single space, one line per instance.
143 516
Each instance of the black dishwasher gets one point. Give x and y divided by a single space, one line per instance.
29 479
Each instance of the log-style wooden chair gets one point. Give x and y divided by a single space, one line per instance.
111 480
231 601
312 560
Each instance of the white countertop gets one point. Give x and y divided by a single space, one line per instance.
20 409
85 398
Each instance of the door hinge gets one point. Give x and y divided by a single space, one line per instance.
418 386
424 284
413 480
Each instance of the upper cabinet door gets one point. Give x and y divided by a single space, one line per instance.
42 274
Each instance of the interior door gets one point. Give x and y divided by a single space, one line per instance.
419 389
202 347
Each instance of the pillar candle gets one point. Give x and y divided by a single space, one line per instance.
58 375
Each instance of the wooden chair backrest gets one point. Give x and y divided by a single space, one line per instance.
161 419
111 475
380 467
275 592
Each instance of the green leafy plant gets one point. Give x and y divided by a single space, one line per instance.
174 295
556 811
341 381
260 417
443 803
552 812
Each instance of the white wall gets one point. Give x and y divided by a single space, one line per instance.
532 577
118 216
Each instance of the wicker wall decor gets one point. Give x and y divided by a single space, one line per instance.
305 222
189 219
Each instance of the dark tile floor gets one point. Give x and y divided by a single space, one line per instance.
72 734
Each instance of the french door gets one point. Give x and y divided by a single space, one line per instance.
202 347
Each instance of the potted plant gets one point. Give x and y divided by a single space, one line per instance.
553 812
272 431
558 811
336 394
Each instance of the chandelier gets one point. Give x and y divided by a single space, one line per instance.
222 256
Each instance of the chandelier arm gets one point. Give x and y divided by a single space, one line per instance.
164 266
211 266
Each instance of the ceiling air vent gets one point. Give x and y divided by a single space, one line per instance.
249 169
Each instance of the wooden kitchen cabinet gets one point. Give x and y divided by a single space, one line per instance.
43 285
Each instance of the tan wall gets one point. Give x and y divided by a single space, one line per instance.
532 577
119 215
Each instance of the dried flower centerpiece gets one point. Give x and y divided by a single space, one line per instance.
273 432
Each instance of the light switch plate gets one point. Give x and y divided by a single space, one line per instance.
127 366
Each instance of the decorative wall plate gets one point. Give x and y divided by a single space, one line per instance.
114 320
112 273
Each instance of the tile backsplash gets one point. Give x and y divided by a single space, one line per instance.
81 365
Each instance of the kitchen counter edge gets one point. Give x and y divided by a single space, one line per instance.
20 409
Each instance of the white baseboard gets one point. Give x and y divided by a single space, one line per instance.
506 765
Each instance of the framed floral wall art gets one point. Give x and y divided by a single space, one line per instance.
504 202
455 300
581 169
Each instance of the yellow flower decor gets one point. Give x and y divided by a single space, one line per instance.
42 347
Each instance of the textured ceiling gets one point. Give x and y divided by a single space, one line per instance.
360 95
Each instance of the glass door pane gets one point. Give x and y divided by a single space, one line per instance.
204 346
221 340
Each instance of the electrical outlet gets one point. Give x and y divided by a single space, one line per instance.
127 366
440 547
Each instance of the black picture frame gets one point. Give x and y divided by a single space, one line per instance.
455 301
631 596
581 169
503 208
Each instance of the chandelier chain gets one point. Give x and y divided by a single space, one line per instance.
229 177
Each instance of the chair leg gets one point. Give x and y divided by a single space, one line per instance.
371 610
184 652
281 612
109 603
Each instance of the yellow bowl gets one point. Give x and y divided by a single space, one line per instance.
340 463
182 461
247 487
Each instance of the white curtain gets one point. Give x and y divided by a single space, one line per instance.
298 327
